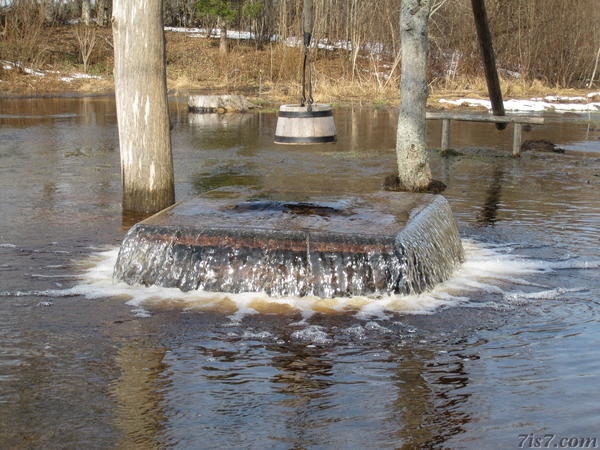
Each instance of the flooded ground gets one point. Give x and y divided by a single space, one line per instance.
509 348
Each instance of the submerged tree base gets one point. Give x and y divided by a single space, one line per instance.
392 183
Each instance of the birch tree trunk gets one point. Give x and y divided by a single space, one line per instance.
413 163
86 9
223 39
141 100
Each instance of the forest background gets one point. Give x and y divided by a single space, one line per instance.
254 47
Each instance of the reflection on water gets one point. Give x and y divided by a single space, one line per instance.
516 354
489 212
139 414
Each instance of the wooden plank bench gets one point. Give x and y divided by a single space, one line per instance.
518 122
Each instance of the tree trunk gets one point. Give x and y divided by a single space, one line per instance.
48 8
86 9
101 12
141 100
413 165
74 9
223 40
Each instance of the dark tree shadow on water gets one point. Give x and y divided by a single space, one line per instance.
489 213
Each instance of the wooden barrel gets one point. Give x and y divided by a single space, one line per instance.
303 125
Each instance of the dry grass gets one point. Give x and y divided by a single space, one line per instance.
23 34
270 73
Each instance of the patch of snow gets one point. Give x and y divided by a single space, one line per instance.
29 71
290 41
77 76
244 35
558 98
527 105
185 30
7 65
380 75
85 75
510 73
593 94
215 32
374 47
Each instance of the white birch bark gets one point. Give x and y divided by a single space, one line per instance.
413 162
141 99
86 12
223 38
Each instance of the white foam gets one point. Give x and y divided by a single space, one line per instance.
45 304
374 326
550 294
71 292
141 312
41 275
312 334
492 270
356 331
565 265
258 335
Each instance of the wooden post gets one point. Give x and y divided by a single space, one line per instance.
489 59
413 162
445 135
517 140
141 100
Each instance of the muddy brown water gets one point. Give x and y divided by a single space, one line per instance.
518 355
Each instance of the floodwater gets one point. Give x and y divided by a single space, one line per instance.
506 351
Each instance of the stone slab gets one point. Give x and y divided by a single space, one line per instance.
295 243
214 103
378 214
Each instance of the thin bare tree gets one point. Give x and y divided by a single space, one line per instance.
86 40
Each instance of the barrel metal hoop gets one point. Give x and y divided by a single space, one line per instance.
304 140
305 114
